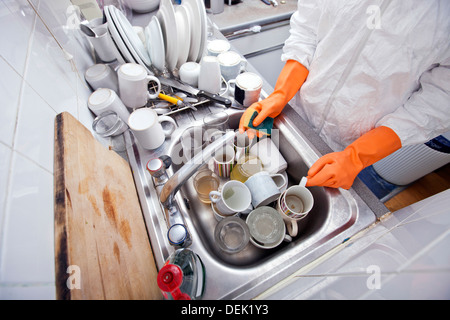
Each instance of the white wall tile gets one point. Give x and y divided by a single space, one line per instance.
28 292
35 129
16 25
28 246
5 160
50 74
10 84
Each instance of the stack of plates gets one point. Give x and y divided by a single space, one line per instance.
175 35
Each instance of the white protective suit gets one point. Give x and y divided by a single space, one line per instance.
373 63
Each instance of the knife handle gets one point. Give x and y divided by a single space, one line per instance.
215 97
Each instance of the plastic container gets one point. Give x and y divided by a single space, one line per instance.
182 277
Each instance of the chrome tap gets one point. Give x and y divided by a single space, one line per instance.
178 233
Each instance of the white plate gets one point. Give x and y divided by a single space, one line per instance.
125 53
202 10
155 44
196 33
130 37
184 34
166 17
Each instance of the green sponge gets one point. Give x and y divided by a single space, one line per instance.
265 127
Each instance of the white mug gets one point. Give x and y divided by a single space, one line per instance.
247 88
223 161
264 188
234 197
189 73
294 204
105 99
270 156
101 76
217 46
231 64
209 78
102 43
146 126
133 85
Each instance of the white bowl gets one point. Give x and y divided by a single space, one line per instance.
142 6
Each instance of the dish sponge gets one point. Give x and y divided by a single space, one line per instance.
265 127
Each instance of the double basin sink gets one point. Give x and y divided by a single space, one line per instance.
337 215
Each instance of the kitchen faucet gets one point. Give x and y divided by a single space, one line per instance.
178 233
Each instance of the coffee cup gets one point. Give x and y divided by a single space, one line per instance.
133 85
102 42
294 204
146 126
246 88
105 99
189 73
217 46
223 161
234 197
231 64
263 187
219 215
270 156
101 76
267 228
209 78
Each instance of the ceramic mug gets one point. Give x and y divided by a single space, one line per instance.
146 126
104 99
102 43
294 204
264 188
234 197
247 88
270 156
231 64
189 73
133 85
101 76
217 46
223 161
209 78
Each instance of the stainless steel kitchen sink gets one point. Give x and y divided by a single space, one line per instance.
337 215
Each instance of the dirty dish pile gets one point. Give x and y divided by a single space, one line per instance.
256 198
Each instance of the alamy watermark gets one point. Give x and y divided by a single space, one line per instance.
74 279
373 282
374 19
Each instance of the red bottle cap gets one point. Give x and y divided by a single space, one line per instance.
169 279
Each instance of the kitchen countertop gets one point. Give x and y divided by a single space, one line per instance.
251 12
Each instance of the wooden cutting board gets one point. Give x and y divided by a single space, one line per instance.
102 249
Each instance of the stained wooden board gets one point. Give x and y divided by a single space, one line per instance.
102 250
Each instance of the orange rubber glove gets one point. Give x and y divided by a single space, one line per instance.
339 169
290 80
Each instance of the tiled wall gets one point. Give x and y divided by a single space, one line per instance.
36 83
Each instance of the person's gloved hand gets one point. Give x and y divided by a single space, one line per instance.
290 80
339 169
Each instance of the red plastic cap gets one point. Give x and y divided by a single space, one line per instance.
170 278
